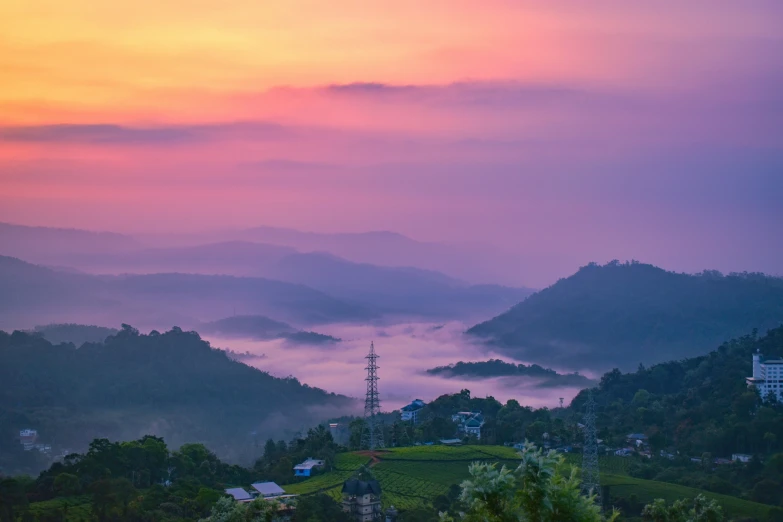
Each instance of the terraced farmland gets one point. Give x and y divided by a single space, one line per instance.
346 465
415 476
607 463
410 477
648 490
450 453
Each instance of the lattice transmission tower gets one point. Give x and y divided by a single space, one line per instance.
591 483
372 436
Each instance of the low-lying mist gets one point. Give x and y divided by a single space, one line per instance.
405 351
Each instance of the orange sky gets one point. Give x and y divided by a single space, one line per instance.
446 119
125 60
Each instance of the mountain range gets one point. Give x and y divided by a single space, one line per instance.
267 279
262 328
31 294
469 262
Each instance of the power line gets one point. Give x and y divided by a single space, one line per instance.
591 482
372 436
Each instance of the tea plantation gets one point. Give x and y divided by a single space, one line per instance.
415 476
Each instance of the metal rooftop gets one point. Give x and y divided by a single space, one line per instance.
268 489
239 494
309 464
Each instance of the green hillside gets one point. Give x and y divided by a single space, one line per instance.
619 315
413 477
170 384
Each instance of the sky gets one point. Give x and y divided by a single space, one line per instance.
565 132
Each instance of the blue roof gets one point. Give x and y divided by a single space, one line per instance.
415 405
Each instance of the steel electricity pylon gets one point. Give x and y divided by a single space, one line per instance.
372 436
591 483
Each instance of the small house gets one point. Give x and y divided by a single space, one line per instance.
462 416
305 469
741 457
362 499
473 426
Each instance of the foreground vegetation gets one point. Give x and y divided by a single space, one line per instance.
422 479
142 480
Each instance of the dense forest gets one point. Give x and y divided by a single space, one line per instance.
626 314
544 377
144 481
171 384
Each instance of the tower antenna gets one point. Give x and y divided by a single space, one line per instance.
591 483
372 436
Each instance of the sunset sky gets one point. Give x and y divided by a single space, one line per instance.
562 131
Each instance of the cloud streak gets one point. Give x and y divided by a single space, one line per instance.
116 134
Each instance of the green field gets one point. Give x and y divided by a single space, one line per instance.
648 490
412 477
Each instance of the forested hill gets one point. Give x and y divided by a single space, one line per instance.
624 314
77 334
171 384
695 405
542 377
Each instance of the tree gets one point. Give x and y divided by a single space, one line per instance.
227 510
770 439
112 496
541 489
12 499
766 491
66 484
319 508
698 510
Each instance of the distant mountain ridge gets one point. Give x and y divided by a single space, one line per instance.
78 334
262 328
474 263
546 377
399 291
45 244
625 314
30 294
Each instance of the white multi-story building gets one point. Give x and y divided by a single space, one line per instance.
410 413
767 377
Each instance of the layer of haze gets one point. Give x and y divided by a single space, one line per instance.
557 132
405 351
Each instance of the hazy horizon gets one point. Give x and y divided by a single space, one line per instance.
506 268
553 134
